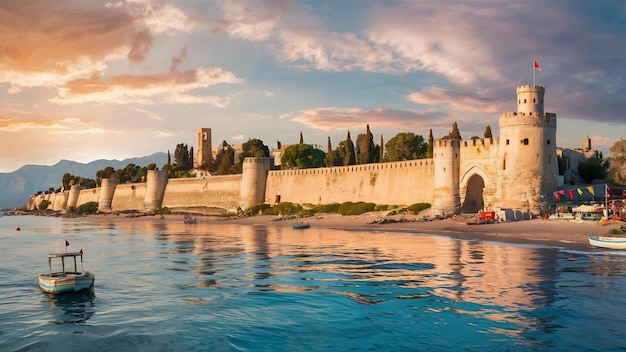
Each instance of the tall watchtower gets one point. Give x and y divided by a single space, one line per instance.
204 154
527 151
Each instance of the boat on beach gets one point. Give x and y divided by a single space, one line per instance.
608 242
69 278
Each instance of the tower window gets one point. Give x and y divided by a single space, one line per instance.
524 101
507 142
504 164
548 141
534 100
525 141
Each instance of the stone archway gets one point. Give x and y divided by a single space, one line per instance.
474 195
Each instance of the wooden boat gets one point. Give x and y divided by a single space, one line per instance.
69 278
189 220
301 225
608 242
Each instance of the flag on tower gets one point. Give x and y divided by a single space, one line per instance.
536 65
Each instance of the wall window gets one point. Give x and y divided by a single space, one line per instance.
548 141
524 101
534 100
525 141
507 142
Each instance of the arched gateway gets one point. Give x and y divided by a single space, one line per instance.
474 201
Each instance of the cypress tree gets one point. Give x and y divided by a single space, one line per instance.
430 145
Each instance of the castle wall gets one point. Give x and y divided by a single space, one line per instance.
88 195
129 196
217 191
397 183
480 157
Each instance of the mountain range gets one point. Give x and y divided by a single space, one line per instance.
16 187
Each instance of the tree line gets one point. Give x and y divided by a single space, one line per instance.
403 146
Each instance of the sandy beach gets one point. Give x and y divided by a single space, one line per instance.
557 233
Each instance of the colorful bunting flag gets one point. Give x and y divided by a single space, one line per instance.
580 191
571 194
590 188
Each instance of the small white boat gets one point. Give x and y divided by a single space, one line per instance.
608 242
68 278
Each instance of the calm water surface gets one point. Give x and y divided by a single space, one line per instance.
214 286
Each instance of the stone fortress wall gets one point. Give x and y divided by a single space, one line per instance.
505 172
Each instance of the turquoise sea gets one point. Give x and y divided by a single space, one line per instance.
162 285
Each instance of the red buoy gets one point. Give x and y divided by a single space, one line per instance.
17 229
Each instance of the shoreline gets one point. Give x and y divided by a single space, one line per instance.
552 233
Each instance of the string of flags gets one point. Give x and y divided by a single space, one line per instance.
584 192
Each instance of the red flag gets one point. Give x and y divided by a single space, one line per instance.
66 243
81 251
571 194
536 65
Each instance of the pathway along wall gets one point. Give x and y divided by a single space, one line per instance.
394 183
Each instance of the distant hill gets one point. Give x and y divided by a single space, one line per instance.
17 186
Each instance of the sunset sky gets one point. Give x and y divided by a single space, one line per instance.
87 80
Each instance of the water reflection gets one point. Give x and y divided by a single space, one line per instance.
71 308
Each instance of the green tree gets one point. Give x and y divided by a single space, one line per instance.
487 133
365 147
617 162
431 144
253 148
454 134
224 160
592 169
183 160
332 157
405 146
346 151
302 156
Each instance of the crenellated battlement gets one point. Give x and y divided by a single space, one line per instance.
512 119
354 168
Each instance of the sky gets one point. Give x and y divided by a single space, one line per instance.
88 80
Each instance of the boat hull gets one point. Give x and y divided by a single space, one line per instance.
608 242
66 282
300 226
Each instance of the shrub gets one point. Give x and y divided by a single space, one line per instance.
87 208
257 209
43 205
350 208
285 208
417 207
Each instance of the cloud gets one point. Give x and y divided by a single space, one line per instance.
239 137
8 124
459 101
175 87
333 118
46 43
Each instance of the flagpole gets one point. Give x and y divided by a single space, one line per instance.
533 73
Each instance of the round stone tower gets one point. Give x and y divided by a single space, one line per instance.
446 159
527 151
72 198
253 181
156 181
107 189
